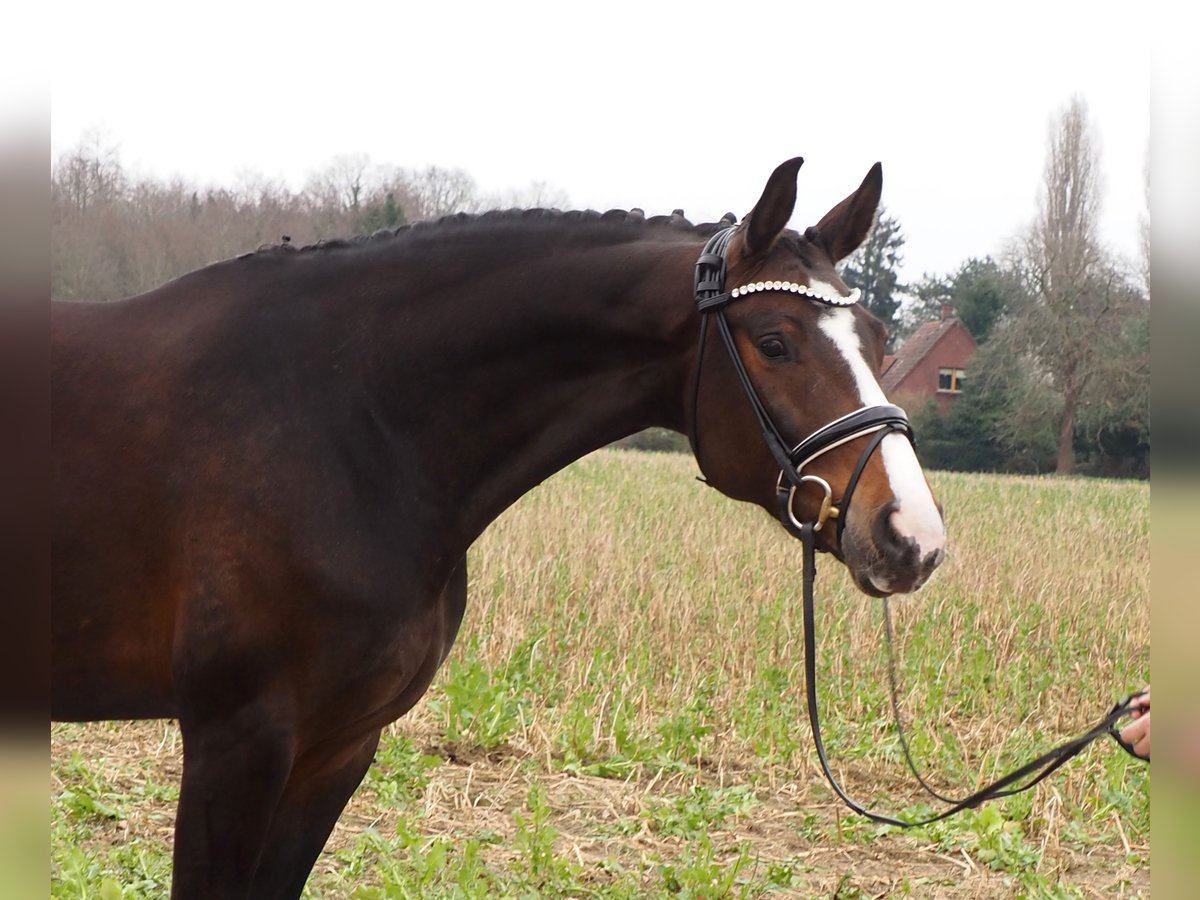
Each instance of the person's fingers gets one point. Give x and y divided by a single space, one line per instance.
1137 734
1138 706
1142 747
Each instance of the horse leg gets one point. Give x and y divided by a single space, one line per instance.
454 604
305 816
234 772
320 786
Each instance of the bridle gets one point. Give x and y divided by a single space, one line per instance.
876 421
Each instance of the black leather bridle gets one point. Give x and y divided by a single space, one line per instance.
878 421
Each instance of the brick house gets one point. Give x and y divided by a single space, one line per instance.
932 363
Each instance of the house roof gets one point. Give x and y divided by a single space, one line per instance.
915 349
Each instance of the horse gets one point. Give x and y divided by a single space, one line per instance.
268 472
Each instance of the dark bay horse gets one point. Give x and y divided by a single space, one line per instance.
268 472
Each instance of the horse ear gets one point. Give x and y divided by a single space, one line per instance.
773 209
845 227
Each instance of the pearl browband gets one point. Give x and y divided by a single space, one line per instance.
794 288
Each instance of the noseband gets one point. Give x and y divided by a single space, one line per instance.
879 420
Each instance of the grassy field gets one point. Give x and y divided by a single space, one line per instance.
624 716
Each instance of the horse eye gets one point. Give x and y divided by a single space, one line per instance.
772 348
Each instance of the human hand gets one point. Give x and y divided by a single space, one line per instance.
1137 733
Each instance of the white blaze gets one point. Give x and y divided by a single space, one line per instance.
917 516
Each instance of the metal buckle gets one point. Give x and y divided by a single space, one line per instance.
828 510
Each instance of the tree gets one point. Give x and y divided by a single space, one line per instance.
88 175
981 292
1113 431
923 303
440 192
387 214
872 268
1073 333
1009 406
536 194
341 185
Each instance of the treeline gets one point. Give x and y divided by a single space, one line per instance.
114 234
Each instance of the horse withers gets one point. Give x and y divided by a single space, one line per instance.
268 472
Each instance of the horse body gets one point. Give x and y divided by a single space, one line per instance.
268 473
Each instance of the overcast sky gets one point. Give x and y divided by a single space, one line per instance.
621 104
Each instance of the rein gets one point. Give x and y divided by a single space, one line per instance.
1035 770
878 421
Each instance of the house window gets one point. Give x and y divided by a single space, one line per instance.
951 380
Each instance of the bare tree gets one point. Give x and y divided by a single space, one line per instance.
342 184
536 194
1073 332
87 175
87 188
440 192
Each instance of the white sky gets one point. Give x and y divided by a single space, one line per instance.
620 104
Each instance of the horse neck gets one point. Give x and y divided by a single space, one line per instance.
508 370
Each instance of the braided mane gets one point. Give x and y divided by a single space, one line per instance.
502 218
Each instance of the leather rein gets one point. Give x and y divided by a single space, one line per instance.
878 422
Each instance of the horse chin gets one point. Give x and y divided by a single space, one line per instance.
879 574
876 583
870 584
862 566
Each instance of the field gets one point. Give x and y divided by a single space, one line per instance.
624 715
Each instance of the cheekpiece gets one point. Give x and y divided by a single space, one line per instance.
801 289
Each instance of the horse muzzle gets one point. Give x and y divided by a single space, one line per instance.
886 558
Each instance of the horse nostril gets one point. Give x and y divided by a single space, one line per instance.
902 549
898 548
896 560
929 535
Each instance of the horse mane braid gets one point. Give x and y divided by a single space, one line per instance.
619 217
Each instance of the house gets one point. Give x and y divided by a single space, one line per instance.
932 363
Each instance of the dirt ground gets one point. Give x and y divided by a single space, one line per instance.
476 792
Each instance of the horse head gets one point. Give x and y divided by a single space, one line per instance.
789 414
